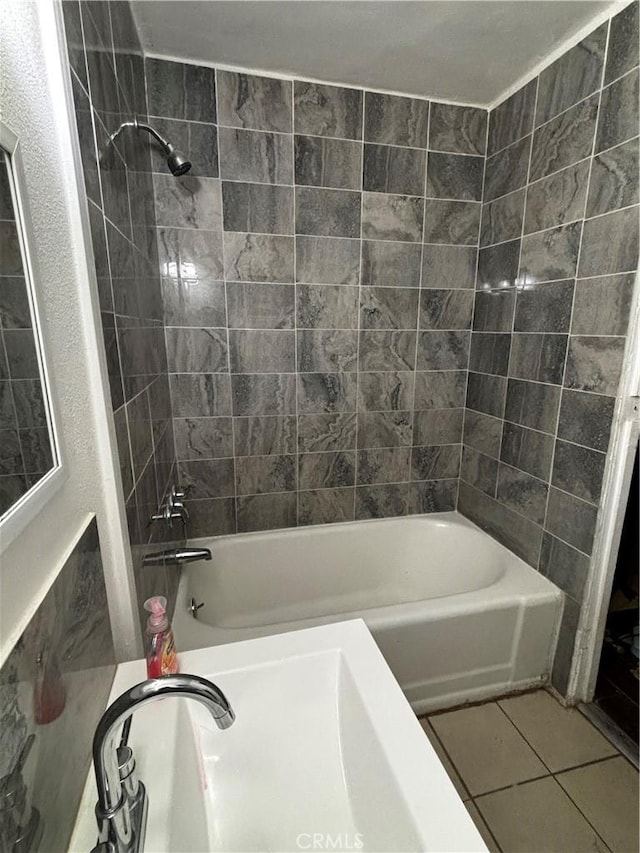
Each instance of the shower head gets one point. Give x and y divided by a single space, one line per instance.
176 161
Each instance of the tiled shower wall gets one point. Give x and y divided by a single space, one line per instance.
318 272
107 74
559 242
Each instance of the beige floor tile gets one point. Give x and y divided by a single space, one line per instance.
482 827
538 817
444 758
562 737
607 794
486 748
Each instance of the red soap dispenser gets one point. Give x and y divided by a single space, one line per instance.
162 657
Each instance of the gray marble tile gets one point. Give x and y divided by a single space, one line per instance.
14 302
538 357
479 471
603 305
197 350
326 506
387 264
594 364
327 351
253 305
544 308
610 243
446 309
512 119
586 418
327 392
323 162
187 202
389 390
462 130
571 520
449 266
566 643
614 179
328 213
247 155
392 217
75 40
190 253
382 501
335 431
550 255
435 463
578 470
623 49
207 478
532 404
326 470
324 260
263 436
389 169
618 118
29 404
438 389
387 350
454 176
455 222
493 310
557 199
36 450
327 110
212 517
502 218
528 450
260 208
266 512
572 77
432 496
489 353
498 265
22 356
482 432
383 465
384 429
394 120
564 566
189 305
437 426
487 394
203 438
522 493
200 395
180 91
326 306
260 351
258 257
199 140
388 307
565 139
259 103
11 454
12 488
507 171
270 394
518 533
257 475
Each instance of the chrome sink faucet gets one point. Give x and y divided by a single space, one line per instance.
121 810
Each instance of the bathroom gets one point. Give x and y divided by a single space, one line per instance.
376 349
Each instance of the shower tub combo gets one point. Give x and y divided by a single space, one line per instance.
457 616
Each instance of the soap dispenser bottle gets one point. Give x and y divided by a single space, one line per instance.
162 658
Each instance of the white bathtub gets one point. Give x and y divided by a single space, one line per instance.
457 616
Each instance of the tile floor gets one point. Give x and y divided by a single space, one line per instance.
537 777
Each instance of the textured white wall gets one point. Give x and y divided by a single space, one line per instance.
35 105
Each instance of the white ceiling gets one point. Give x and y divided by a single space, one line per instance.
465 51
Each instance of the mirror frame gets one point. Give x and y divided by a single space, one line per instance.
27 507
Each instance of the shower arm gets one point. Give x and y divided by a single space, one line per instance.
139 125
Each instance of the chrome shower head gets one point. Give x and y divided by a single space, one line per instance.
177 162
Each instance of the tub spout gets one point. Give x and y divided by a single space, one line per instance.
176 556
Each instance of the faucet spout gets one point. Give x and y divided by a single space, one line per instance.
176 556
111 809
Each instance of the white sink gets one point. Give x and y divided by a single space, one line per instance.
325 754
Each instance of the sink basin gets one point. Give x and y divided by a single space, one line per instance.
325 754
